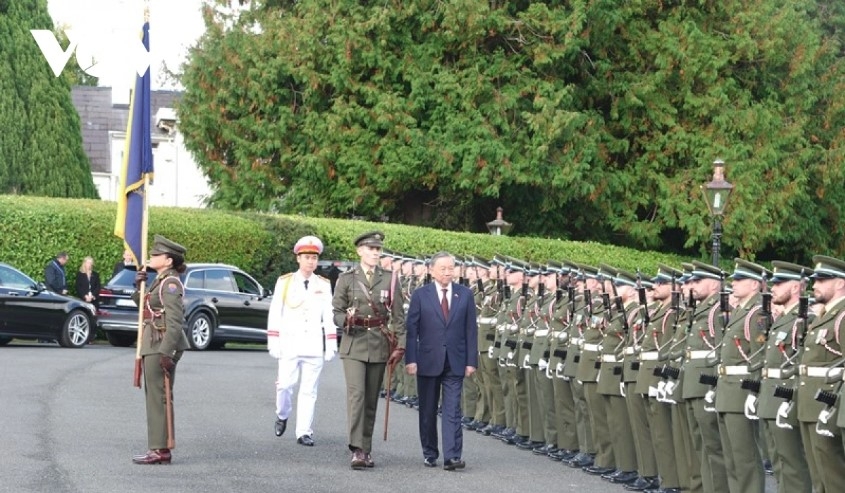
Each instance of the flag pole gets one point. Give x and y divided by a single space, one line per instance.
145 218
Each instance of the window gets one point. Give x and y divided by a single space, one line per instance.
13 279
246 285
219 280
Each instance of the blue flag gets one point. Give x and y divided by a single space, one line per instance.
137 165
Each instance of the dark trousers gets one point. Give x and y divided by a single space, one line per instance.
429 392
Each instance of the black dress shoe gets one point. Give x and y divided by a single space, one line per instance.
490 429
453 464
546 449
624 477
505 432
515 439
429 462
563 454
281 426
767 467
581 460
305 440
358 461
466 420
642 484
612 474
530 445
598 470
368 460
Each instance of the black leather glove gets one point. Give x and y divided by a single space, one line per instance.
167 364
140 276
396 356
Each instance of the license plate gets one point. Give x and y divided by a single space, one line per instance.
128 303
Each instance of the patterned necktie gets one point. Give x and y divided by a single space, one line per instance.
444 303
306 284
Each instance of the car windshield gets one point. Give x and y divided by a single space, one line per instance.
12 278
125 279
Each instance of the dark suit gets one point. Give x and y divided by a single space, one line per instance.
441 349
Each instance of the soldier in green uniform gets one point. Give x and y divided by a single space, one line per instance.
780 371
577 318
588 373
610 376
368 304
162 343
513 378
506 318
657 335
475 278
743 339
487 360
701 342
529 400
552 361
821 370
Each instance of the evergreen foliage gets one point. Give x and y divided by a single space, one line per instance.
41 149
590 120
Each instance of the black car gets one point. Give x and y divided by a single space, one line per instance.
29 311
222 304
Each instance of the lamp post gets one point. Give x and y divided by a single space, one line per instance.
716 194
499 226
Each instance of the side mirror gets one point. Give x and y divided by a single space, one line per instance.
40 287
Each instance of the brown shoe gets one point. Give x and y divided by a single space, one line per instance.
368 460
159 456
358 459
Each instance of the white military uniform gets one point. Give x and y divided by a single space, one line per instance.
301 333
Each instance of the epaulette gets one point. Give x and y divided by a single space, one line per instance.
323 278
285 276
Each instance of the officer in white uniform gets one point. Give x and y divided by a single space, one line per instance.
301 334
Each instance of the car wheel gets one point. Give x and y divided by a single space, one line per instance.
76 330
5 340
200 331
119 339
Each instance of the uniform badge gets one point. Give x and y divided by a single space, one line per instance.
780 337
171 287
761 338
822 336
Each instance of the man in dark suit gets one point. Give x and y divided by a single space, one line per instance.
441 349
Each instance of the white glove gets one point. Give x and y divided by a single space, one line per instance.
622 388
825 414
652 390
751 407
782 415
525 361
329 355
824 417
490 352
710 396
542 364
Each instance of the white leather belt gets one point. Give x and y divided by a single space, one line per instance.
819 371
608 358
629 351
649 356
591 347
541 333
772 372
575 341
699 354
512 328
733 370
487 320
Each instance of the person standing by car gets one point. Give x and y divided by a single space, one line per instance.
368 304
162 343
301 334
88 286
122 264
54 274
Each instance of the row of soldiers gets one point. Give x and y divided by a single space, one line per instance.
666 383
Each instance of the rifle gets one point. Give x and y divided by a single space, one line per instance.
724 302
803 309
605 300
643 299
620 307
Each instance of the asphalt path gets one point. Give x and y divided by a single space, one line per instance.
71 422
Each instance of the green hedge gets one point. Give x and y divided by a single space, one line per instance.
34 229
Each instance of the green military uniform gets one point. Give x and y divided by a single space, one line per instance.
513 378
523 381
162 336
577 319
780 370
563 402
506 326
610 379
821 370
744 337
657 335
544 391
369 311
704 337
487 361
588 373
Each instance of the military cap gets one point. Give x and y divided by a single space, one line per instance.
665 274
553 267
587 272
688 268
625 278
372 238
786 271
162 245
308 244
700 270
481 262
534 269
828 267
647 284
606 272
749 270
516 265
498 260
418 260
